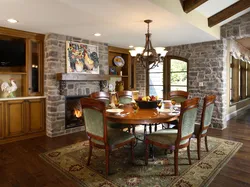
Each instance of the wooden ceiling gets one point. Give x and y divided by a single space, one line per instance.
189 5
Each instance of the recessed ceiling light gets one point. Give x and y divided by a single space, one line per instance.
97 34
12 20
131 46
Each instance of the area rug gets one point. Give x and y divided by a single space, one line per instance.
71 161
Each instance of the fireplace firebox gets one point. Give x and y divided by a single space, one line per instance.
73 112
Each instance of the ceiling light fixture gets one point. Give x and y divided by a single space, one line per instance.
130 46
148 56
97 34
11 20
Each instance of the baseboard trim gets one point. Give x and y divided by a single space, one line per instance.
235 113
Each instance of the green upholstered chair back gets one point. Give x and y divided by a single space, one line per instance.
207 112
187 120
178 96
125 97
125 100
94 114
93 121
179 99
102 96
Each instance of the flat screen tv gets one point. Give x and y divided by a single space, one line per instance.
12 53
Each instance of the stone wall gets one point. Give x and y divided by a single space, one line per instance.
238 28
55 62
141 80
206 64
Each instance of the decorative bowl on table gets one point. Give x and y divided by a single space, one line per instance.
148 102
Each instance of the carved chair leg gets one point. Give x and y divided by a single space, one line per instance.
155 127
150 128
107 160
199 147
188 153
90 152
206 143
132 151
146 152
176 173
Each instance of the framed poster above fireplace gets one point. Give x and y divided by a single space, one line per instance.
82 58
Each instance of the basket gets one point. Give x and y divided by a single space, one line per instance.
147 104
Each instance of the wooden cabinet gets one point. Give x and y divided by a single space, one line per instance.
15 118
21 119
1 120
126 76
28 75
35 115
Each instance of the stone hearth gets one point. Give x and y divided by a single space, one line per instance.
55 62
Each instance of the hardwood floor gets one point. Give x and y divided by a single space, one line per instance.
20 164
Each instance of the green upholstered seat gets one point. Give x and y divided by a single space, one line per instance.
166 136
115 137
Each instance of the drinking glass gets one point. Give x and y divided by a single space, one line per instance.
173 102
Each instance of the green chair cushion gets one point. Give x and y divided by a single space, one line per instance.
166 136
115 137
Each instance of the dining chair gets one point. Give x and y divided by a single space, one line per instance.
102 96
125 97
179 96
206 118
99 134
175 139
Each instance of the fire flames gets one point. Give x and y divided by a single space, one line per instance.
77 113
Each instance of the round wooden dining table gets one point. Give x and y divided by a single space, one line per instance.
141 116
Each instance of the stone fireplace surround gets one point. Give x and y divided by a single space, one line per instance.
55 62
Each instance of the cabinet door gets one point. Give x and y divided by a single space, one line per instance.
35 109
1 120
15 118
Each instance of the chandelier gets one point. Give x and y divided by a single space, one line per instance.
148 56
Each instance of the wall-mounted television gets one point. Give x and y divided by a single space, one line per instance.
12 53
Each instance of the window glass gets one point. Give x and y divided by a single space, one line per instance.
178 75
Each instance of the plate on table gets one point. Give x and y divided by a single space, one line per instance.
119 61
164 110
116 111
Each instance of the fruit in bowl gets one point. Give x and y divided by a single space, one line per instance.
148 101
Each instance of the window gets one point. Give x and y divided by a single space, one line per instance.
155 85
168 76
178 75
239 79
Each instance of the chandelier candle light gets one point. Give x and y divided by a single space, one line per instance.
148 56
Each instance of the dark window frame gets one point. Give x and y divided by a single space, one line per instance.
166 75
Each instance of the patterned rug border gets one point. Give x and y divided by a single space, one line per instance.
205 182
222 164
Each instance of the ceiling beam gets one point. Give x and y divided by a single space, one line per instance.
189 5
228 12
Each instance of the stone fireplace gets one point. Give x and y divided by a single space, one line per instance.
55 62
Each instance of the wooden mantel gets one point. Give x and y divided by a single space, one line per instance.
81 77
